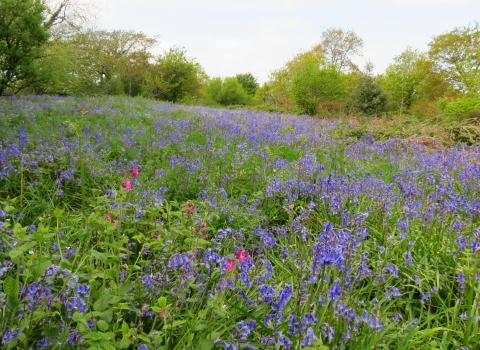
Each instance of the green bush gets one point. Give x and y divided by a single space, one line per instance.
226 92
459 109
368 97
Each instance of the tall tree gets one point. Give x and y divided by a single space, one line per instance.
248 82
403 78
115 57
368 97
22 34
173 77
339 47
312 84
456 55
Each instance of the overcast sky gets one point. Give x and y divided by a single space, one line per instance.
237 36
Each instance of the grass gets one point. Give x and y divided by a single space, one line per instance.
242 230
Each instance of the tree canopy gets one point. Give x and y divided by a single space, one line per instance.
173 77
22 35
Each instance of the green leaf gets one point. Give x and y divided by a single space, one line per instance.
12 302
101 304
10 287
207 344
162 302
200 327
27 246
107 315
58 212
79 318
102 325
174 324
98 255
125 328
124 343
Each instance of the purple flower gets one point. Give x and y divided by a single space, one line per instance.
309 337
335 291
283 298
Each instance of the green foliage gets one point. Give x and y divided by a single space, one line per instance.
226 91
457 58
403 78
368 97
312 84
248 82
22 35
173 77
459 108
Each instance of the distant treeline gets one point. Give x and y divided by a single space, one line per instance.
44 51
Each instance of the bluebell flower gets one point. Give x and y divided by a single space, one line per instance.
283 297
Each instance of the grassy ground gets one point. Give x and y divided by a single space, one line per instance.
136 225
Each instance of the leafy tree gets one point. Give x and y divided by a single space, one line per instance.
227 91
403 78
248 82
22 35
277 91
312 84
173 77
456 56
368 97
339 47
116 59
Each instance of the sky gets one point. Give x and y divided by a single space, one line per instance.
228 37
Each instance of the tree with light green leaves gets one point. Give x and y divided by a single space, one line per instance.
456 55
402 79
313 83
226 92
173 77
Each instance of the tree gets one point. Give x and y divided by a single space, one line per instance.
67 15
226 91
368 97
173 77
403 78
116 58
248 82
339 47
312 84
456 56
22 35
277 91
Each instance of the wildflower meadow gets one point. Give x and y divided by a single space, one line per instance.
131 224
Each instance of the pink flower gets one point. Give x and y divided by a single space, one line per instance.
117 223
108 217
134 172
242 255
204 234
159 237
128 185
162 313
230 265
203 225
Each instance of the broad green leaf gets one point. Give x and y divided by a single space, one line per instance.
98 255
10 287
102 325
125 328
162 301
